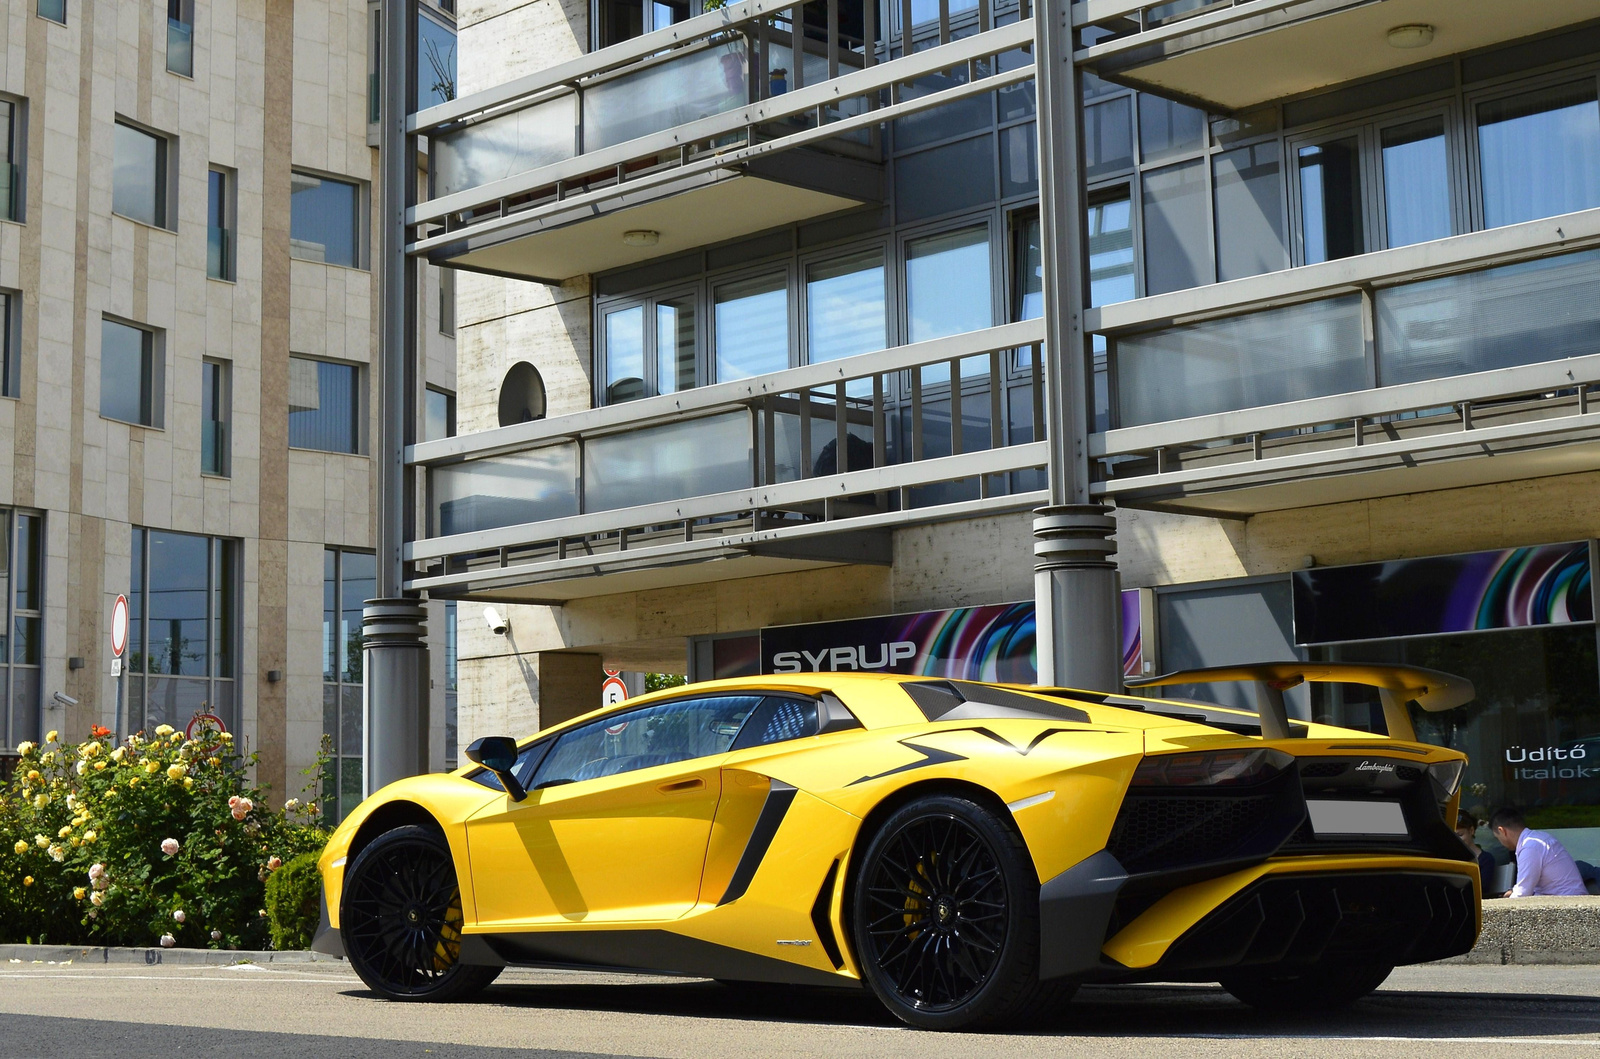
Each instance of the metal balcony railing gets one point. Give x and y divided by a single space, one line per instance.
868 442
698 97
1481 344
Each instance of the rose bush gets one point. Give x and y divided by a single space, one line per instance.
161 837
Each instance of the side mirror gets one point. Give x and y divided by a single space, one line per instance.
498 754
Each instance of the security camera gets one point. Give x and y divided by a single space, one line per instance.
496 623
64 699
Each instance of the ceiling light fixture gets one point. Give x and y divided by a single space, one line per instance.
641 237
1414 35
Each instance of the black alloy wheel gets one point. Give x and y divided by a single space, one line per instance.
400 919
1313 990
946 917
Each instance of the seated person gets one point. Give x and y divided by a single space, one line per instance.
1544 867
1467 831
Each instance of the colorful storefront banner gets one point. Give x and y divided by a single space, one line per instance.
1512 588
996 643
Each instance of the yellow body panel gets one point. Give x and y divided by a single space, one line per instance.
657 848
1143 942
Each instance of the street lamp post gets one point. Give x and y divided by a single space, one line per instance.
394 644
1075 577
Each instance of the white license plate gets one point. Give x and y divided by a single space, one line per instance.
1357 818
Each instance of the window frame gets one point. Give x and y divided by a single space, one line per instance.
153 376
16 150
165 178
450 411
222 401
10 343
186 10
359 396
808 259
1507 87
39 13
362 221
230 215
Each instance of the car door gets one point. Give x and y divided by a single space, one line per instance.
616 822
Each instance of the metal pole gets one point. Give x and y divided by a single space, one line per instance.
395 645
1075 577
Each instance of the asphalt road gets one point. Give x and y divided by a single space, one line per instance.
322 1011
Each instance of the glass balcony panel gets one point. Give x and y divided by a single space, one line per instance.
9 187
694 457
1263 358
180 47
1499 318
502 147
505 490
218 252
213 448
821 461
671 93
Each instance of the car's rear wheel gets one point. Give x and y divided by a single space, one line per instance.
1323 987
400 919
946 917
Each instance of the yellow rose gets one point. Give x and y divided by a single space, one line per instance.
152 766
164 730
40 801
78 893
33 776
99 766
226 737
25 748
119 753
52 736
133 782
177 737
213 761
112 793
175 772
188 783
21 848
64 832
89 837
42 841
27 880
76 841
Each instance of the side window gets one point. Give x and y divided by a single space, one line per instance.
654 735
776 720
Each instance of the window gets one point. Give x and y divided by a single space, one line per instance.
846 312
1177 250
215 407
21 625
325 220
752 321
438 414
324 405
10 344
349 579
220 206
447 301
1332 222
180 37
183 621
140 186
54 10
651 348
11 155
644 738
130 373
1416 182
436 63
948 288
1247 187
621 20
1539 153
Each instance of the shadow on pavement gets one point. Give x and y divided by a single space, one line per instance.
1098 1011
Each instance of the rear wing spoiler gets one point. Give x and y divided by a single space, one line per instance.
1432 690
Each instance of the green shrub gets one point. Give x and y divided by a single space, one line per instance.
128 845
294 903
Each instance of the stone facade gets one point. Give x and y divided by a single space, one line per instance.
277 85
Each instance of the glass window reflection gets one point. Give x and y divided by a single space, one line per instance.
675 345
1248 189
1540 154
752 319
1416 182
1168 129
436 63
1330 200
138 175
323 220
1177 251
947 284
845 312
625 355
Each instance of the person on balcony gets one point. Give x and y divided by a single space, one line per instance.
1544 867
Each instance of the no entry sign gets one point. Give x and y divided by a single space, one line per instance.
119 626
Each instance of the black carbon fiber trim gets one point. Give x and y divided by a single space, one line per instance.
773 810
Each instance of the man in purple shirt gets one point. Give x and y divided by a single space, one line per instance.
1544 867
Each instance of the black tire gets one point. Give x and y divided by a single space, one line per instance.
1312 990
400 919
945 918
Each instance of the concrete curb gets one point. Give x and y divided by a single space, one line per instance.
91 954
1538 930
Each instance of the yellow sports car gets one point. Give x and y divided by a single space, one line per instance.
969 852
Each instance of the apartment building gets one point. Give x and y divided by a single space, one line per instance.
755 325
189 316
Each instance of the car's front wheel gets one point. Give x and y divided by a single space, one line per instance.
1320 988
400 919
946 918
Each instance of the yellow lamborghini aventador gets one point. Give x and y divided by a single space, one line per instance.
969 852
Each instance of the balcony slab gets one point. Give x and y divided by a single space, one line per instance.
1253 53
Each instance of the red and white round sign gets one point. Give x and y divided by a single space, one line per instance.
119 626
613 691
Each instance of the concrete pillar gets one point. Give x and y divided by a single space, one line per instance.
569 685
394 702
1076 596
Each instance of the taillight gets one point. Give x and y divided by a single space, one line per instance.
1216 768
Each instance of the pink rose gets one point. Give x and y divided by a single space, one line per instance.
168 941
274 863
